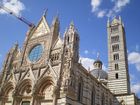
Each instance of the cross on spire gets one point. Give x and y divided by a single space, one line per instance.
98 55
45 12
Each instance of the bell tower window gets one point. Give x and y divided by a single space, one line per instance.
117 76
114 39
115 47
114 29
116 56
116 67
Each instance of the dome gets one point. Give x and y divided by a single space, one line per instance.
100 74
97 72
98 61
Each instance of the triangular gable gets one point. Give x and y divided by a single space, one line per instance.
41 29
12 77
115 21
28 75
17 76
54 73
49 71
35 73
58 43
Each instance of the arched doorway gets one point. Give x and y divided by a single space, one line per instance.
7 93
44 92
23 93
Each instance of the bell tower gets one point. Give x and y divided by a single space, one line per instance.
118 74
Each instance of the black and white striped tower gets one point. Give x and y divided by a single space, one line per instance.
118 75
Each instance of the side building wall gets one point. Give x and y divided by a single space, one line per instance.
93 91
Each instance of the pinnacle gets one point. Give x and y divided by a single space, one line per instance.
71 23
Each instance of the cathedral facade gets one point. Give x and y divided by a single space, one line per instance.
47 71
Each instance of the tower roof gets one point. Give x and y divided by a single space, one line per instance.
115 21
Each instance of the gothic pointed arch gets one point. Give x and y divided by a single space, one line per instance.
7 88
42 84
7 92
44 91
23 92
41 29
24 86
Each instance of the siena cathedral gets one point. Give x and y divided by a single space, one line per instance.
47 71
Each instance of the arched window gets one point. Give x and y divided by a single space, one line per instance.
80 90
114 39
115 47
68 39
93 97
55 57
66 51
117 76
110 102
114 29
116 67
102 99
7 92
116 56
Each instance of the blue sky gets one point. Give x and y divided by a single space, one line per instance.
90 18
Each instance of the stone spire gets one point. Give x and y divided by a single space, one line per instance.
71 39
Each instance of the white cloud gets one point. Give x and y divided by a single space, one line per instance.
88 63
0 55
95 4
119 4
135 88
86 51
101 14
109 12
14 5
134 58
